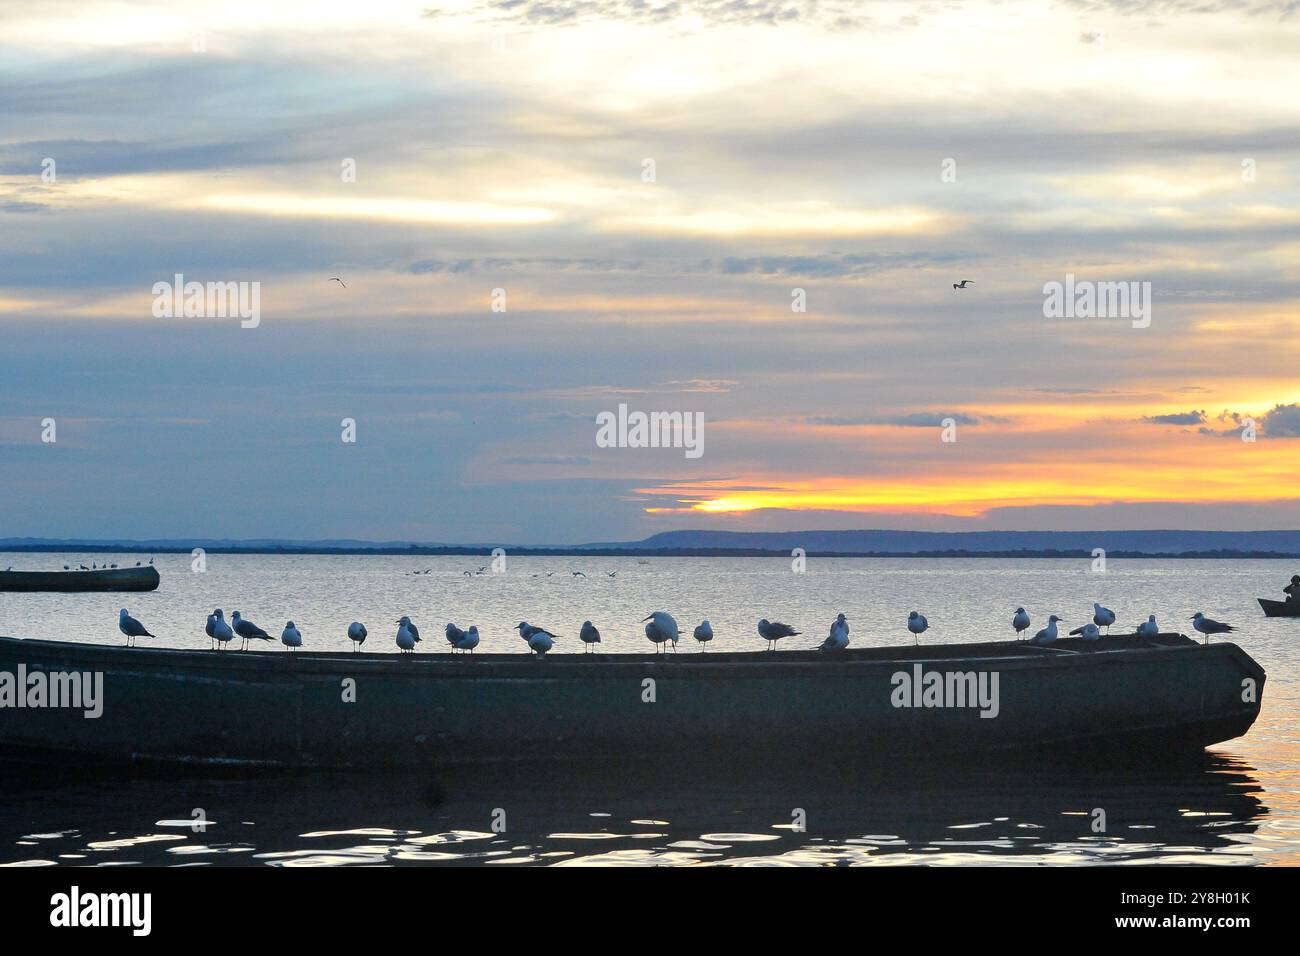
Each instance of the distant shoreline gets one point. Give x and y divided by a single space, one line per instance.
485 552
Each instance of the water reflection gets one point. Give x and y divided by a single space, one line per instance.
1210 812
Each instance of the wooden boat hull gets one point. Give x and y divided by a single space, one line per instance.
109 579
1279 608
294 709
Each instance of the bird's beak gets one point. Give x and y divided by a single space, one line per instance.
646 618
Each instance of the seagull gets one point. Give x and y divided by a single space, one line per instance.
579 574
1020 621
1088 632
130 627
248 630
839 636
454 635
1208 627
589 635
339 281
470 640
291 636
357 633
221 630
1148 628
540 642
211 629
406 635
661 629
962 283
612 574
66 568
917 624
704 633
1047 634
526 630
1102 616
773 631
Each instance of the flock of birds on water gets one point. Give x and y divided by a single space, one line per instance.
660 627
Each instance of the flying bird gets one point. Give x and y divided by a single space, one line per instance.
1207 626
773 631
339 281
962 283
579 574
357 634
838 639
704 633
248 630
131 627
1020 621
589 635
291 637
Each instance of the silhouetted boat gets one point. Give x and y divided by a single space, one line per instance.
144 578
1279 608
1110 697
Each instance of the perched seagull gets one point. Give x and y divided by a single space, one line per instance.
1088 632
962 283
1148 628
406 635
1047 634
589 635
1102 616
1020 621
773 631
527 630
130 627
1208 627
704 633
357 634
291 636
248 630
839 636
454 635
541 642
917 624
211 629
470 640
339 281
66 568
661 629
221 630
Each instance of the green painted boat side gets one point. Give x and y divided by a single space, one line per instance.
107 579
293 709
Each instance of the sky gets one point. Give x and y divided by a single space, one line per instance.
652 185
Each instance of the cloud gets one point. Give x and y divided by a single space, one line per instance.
1283 421
904 420
1176 418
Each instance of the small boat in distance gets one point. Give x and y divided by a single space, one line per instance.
1279 608
143 578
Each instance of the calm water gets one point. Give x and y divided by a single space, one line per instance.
1241 807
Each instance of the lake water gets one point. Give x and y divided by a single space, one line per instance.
1241 807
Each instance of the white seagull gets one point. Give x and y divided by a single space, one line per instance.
1148 628
357 634
704 633
221 630
540 642
454 636
917 624
1047 634
1102 616
962 283
210 629
773 631
526 631
470 640
291 637
1020 621
661 629
838 639
131 627
1088 632
406 635
1208 627
248 630
589 635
